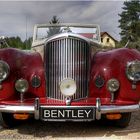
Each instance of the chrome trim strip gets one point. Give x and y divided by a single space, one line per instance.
36 109
67 106
20 108
98 109
66 25
113 108
70 35
103 109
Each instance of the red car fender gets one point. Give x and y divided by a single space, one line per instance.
112 64
22 65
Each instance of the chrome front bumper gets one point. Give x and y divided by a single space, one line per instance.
100 109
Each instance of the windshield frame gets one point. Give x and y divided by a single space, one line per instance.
66 25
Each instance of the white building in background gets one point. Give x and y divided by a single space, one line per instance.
107 40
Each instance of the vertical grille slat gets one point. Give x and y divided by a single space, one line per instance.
67 58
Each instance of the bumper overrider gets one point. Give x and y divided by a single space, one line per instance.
99 109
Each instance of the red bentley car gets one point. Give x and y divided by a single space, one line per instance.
65 78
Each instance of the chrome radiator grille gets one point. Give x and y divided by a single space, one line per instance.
67 58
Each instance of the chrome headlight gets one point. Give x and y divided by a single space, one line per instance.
113 85
133 70
21 85
68 87
4 70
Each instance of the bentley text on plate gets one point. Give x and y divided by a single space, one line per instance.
68 113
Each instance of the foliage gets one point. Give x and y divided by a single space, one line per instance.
54 20
16 42
130 21
135 44
28 43
53 30
119 45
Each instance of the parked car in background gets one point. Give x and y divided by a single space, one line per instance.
65 78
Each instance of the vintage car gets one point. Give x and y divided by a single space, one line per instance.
66 78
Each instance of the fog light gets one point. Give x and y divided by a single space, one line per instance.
113 85
113 116
68 87
21 85
20 116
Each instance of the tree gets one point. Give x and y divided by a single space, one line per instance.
54 20
16 42
28 43
130 20
53 30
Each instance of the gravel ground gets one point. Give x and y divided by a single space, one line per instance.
73 130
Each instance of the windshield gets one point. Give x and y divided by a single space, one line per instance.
45 32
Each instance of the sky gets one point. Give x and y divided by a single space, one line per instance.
15 16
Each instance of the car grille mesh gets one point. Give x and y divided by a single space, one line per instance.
67 58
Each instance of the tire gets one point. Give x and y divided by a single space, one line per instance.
124 120
7 120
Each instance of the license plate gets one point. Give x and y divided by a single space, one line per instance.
67 113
